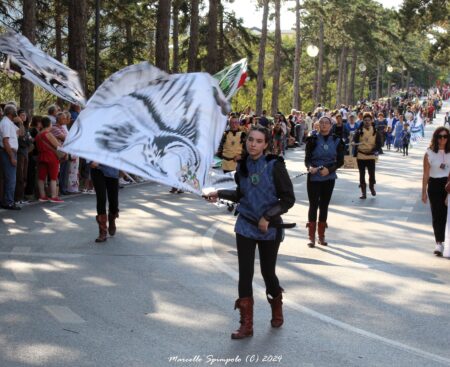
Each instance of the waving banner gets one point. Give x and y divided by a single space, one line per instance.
232 78
162 127
41 69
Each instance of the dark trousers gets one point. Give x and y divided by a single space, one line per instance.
319 196
370 164
30 188
63 176
21 176
437 195
268 251
9 178
405 149
105 187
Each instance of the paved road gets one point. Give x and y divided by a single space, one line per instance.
161 293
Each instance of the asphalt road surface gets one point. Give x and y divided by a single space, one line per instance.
162 291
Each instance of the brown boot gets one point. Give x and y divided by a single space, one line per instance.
321 233
277 309
245 306
311 233
102 227
112 223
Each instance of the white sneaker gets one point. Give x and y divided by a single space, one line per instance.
123 181
438 249
446 251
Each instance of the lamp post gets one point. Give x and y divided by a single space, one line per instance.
312 51
362 68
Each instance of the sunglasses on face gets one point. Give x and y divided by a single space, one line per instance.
443 136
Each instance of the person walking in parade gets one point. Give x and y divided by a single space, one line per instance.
368 142
436 168
324 154
106 185
232 145
264 192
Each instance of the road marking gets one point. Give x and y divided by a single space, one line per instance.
20 250
407 209
64 314
208 248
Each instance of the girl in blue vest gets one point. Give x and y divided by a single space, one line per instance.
264 192
324 154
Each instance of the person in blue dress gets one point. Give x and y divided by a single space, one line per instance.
324 154
398 133
264 192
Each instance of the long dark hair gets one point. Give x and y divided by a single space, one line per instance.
434 145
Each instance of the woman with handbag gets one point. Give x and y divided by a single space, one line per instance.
48 161
264 192
436 168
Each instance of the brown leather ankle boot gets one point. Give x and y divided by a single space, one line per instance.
245 306
277 309
321 233
311 233
102 227
112 223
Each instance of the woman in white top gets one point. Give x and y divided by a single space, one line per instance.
436 168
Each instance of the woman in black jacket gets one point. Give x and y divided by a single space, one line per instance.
264 192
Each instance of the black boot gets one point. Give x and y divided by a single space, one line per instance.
363 187
372 189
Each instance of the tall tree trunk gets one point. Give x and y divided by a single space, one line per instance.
261 60
377 89
351 90
211 57
129 39
408 78
175 37
276 59
363 83
194 37
341 74
296 103
162 34
345 81
58 38
97 45
326 95
28 30
221 57
77 24
321 55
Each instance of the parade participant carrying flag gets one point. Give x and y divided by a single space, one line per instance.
162 127
41 69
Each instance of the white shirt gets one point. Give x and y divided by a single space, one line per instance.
343 112
435 160
9 130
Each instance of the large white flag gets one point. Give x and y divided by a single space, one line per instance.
155 125
41 69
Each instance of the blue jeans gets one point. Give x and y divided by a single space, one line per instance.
9 175
63 176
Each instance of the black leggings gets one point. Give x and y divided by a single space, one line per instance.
437 195
370 164
105 186
268 251
405 149
319 196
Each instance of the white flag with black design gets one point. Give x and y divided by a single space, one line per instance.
41 69
159 126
